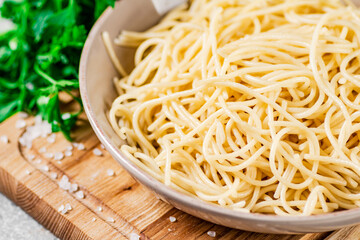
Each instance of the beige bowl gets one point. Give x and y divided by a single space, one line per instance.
97 92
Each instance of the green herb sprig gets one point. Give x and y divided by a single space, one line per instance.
40 47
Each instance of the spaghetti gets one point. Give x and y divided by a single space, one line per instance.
253 105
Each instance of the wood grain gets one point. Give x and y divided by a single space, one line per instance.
133 208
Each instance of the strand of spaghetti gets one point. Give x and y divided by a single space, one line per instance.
312 57
111 52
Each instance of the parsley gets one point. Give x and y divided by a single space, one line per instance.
40 47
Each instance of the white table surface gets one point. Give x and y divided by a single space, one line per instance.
15 224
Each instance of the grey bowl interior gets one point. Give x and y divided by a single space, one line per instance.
97 92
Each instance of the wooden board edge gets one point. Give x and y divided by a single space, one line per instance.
41 211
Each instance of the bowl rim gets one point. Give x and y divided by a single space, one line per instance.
160 188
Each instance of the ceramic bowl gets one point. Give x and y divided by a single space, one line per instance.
97 92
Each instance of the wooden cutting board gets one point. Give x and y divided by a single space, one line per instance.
113 207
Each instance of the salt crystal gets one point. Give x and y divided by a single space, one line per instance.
134 236
80 194
4 139
31 157
81 146
29 86
110 172
66 116
51 138
27 172
65 209
24 142
39 129
20 123
110 220
59 162
68 206
73 187
102 146
23 115
68 153
53 175
69 148
64 183
61 208
211 233
75 144
42 150
49 155
97 152
38 119
44 168
58 156
93 220
38 161
99 209
172 219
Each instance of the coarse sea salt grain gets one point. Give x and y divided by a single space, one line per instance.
66 116
37 161
68 153
49 155
42 150
97 152
23 142
99 209
69 148
211 233
93 219
134 236
58 156
80 147
73 187
27 172
31 157
110 172
68 206
110 220
29 86
80 194
61 208
102 146
65 209
44 168
20 123
53 175
39 129
4 139
51 138
172 219
64 183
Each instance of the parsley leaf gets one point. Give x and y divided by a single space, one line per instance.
40 47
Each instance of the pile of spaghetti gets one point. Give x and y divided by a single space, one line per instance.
253 105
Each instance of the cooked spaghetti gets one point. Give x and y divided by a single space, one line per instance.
253 105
